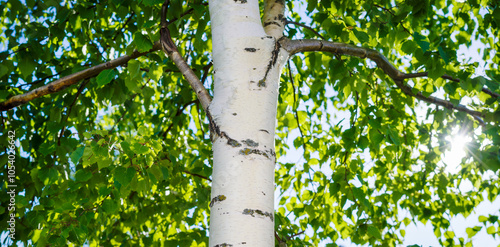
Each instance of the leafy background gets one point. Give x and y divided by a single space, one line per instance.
124 158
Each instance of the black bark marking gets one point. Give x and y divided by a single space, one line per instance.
215 131
251 143
272 61
250 49
241 1
218 198
266 153
232 142
223 245
262 83
272 23
253 212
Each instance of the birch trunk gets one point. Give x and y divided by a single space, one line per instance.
247 64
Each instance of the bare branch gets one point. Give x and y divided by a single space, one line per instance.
69 80
296 46
171 51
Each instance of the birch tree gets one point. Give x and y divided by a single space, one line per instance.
172 123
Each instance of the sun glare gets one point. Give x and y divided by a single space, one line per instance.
453 157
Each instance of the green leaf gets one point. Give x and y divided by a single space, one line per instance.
77 154
3 70
132 84
444 55
311 5
134 69
350 21
143 131
155 72
363 142
156 171
491 230
106 76
421 41
104 163
449 234
394 136
409 46
362 36
471 232
126 147
124 175
140 148
48 176
142 42
482 218
82 175
26 63
374 232
109 206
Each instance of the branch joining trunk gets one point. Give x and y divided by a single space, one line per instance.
247 63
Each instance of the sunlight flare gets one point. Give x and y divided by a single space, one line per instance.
453 157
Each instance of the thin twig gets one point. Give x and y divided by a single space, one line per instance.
179 111
295 105
296 234
306 27
80 89
124 25
198 175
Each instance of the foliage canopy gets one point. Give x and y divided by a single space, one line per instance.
123 156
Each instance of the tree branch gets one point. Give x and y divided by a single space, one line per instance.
297 46
171 51
197 175
491 93
69 80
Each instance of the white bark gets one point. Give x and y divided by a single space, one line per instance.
247 66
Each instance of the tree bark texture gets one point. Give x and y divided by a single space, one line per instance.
247 66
